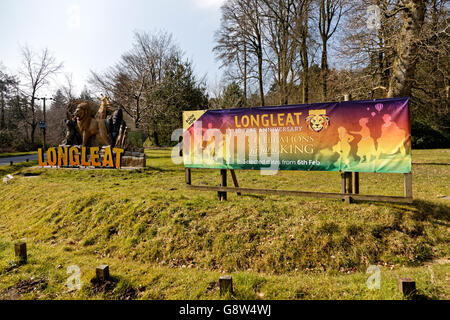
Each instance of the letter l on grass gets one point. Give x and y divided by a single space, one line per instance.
41 158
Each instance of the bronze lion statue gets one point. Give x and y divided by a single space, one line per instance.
93 131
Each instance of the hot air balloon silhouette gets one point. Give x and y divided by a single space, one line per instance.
379 107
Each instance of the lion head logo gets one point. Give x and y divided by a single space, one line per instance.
318 120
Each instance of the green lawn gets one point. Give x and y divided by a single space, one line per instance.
431 156
163 241
16 167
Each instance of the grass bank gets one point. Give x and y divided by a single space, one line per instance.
16 167
165 242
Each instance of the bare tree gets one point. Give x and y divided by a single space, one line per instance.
369 44
390 51
7 84
232 51
68 88
152 83
402 77
283 47
138 72
430 90
330 13
37 69
298 13
241 32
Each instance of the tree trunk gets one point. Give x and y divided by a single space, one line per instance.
305 64
384 55
260 76
33 118
137 120
2 116
138 112
305 87
324 68
245 74
406 55
155 138
282 81
33 131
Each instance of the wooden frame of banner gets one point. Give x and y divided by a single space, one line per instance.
349 189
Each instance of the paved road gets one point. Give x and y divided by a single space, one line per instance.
6 161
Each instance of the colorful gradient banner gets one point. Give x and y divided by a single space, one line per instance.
352 136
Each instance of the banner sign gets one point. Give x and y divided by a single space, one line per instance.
352 136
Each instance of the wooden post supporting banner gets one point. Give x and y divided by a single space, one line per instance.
226 285
233 176
343 182
356 182
222 194
408 185
346 186
188 176
348 177
20 249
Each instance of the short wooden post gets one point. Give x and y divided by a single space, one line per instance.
222 194
356 182
408 185
407 287
226 285
188 176
233 176
102 272
10 163
20 250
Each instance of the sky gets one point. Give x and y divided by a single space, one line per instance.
92 35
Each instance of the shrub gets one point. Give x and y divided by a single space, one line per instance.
425 137
6 139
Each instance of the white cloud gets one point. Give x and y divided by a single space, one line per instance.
209 4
